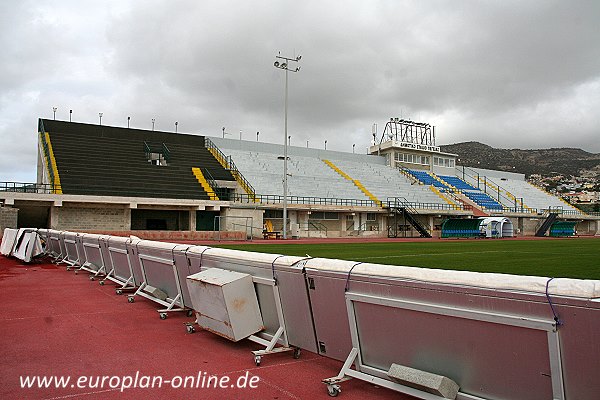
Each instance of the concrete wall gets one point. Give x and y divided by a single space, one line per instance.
86 217
234 219
8 218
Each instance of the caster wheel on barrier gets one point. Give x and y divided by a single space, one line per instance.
130 299
257 361
190 329
101 283
333 390
163 315
119 291
189 313
296 353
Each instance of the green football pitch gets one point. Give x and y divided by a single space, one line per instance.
573 257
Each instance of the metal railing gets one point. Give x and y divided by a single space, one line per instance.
163 150
503 196
277 199
23 187
318 227
395 202
135 189
222 193
228 164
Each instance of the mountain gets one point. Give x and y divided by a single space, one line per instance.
546 162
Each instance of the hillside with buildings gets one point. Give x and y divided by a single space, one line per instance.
572 173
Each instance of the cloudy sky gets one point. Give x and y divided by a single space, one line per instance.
512 74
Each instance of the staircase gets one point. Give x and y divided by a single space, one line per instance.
356 183
400 209
50 160
552 216
204 183
228 164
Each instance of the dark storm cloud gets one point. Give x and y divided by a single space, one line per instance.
510 73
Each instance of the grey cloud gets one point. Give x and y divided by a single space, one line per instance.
510 73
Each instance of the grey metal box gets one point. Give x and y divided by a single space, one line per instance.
225 303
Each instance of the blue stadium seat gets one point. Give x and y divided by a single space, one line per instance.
457 182
427 179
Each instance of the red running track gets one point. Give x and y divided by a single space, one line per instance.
56 323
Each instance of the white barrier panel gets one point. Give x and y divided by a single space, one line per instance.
480 330
8 241
71 241
27 245
94 254
54 245
123 263
164 268
24 244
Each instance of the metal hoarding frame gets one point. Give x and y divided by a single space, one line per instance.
377 376
88 265
127 283
169 303
280 335
69 260
56 242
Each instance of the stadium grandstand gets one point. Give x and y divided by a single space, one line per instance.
105 179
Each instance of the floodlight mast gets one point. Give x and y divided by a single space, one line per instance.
284 65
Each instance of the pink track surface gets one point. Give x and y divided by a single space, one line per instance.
54 322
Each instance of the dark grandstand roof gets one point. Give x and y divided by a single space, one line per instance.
112 161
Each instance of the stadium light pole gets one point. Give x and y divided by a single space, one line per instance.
289 140
100 116
54 111
284 66
128 119
176 123
153 120
353 145
325 144
70 115
257 136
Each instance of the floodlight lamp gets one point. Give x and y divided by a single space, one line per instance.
284 65
276 64
298 58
